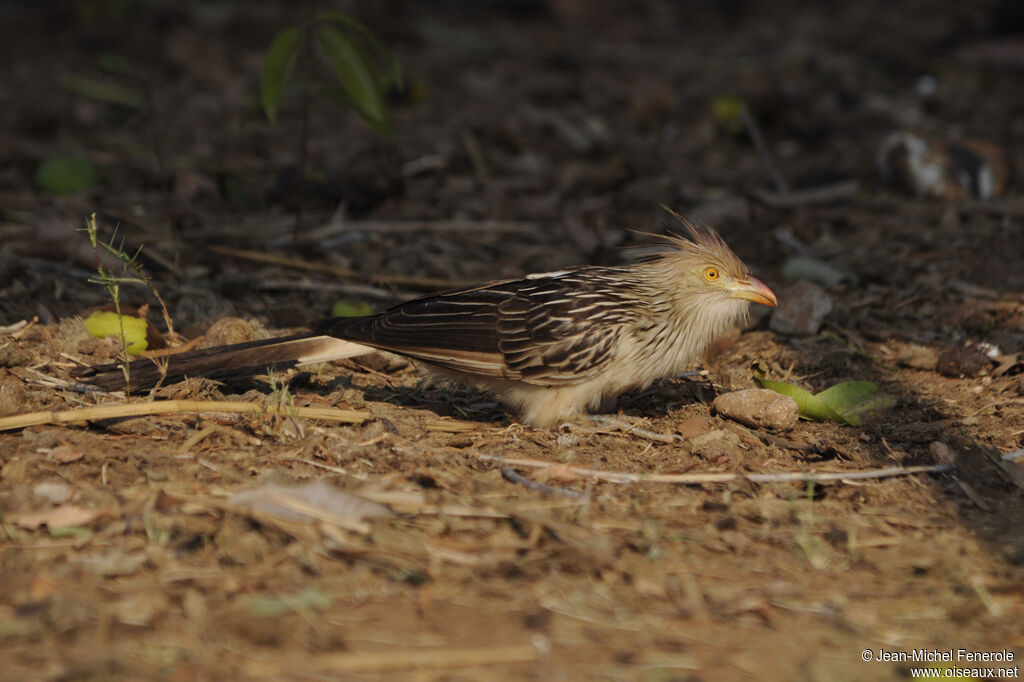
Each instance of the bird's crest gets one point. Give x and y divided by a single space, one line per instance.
700 239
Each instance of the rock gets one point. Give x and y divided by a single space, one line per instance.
758 408
802 308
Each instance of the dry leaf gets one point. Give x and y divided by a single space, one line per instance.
64 453
314 501
117 563
58 517
54 492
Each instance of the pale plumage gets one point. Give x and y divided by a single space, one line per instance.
551 345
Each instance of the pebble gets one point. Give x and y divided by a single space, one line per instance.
802 309
758 408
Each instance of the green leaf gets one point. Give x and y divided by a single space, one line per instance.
853 400
103 91
808 405
848 402
345 21
103 324
351 309
357 77
277 66
67 175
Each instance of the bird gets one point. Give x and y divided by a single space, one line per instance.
552 346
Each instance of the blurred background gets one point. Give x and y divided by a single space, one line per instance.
496 138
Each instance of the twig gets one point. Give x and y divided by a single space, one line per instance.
643 433
824 194
345 288
52 382
699 479
177 406
766 156
18 328
513 476
344 273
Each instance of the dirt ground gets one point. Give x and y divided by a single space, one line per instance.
529 135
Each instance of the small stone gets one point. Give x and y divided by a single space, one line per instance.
802 308
758 408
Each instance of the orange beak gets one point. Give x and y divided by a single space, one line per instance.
754 290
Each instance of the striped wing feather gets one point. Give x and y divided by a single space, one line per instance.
528 329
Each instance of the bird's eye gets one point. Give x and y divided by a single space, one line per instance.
711 274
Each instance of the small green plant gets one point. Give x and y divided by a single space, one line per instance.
283 403
130 271
341 40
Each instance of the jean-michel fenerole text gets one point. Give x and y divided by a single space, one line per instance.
947 655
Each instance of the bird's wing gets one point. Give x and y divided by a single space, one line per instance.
549 329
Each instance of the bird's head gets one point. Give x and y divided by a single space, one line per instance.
705 273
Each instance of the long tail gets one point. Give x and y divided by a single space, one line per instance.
219 362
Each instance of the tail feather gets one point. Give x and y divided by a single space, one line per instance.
219 362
